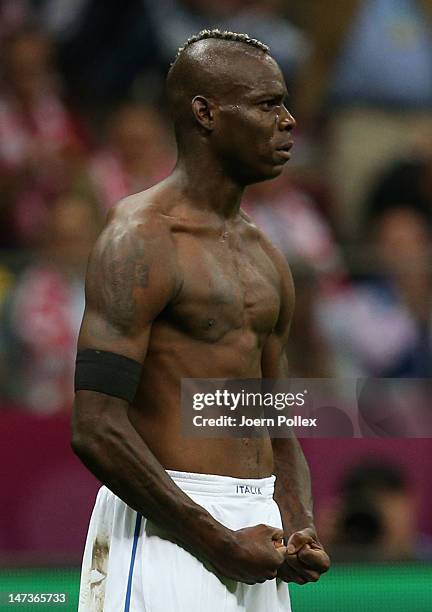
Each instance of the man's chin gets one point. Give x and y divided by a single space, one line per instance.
270 172
273 172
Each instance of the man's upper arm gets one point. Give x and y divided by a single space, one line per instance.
274 360
131 277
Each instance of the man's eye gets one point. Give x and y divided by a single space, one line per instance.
269 104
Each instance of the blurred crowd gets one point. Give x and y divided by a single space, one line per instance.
83 123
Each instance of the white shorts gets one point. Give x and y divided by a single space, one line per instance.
129 566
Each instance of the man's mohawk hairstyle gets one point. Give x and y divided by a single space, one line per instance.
223 35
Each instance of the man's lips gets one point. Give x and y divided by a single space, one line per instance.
284 150
285 147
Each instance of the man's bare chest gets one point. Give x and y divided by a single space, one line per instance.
226 286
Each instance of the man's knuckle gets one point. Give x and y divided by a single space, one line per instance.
314 577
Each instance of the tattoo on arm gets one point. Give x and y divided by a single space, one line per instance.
141 274
119 282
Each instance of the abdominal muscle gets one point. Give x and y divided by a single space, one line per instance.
157 416
236 457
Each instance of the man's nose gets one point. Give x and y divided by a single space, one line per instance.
287 121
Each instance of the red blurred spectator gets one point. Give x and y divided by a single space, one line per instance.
39 142
42 313
137 154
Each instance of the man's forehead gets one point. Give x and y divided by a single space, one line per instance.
221 69
252 74
258 85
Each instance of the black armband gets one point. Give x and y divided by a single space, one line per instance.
108 373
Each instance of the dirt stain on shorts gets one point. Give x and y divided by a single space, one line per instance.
98 573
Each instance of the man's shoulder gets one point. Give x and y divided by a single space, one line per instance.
253 230
142 215
274 253
136 245
136 230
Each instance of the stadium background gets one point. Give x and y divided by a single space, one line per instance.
83 123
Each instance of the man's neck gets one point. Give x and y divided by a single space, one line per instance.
206 186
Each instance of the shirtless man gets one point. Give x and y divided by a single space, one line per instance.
181 284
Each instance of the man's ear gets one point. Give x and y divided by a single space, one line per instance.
204 112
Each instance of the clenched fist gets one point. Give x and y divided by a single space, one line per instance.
305 558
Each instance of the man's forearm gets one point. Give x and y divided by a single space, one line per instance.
117 455
293 492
